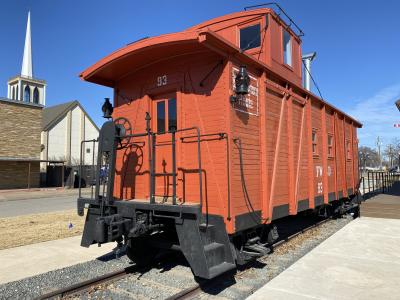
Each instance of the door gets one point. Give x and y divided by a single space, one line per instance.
165 120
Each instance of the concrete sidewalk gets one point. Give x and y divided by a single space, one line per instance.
26 261
360 261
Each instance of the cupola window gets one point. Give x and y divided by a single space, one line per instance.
287 48
250 37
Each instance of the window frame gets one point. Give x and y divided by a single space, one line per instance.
283 48
36 95
314 132
240 28
331 147
27 91
157 117
165 100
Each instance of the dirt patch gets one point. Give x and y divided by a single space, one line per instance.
36 228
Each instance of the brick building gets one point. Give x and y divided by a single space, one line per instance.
20 129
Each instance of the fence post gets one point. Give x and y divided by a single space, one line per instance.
363 183
369 183
373 182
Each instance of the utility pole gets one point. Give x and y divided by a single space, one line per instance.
379 144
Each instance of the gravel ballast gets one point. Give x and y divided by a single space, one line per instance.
172 274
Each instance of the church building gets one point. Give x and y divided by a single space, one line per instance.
40 146
20 126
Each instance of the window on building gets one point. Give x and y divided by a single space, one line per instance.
36 95
87 150
314 142
287 48
13 93
348 149
27 94
330 145
161 117
250 37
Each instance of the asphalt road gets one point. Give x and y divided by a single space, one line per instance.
37 205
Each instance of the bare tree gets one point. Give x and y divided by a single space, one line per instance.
368 157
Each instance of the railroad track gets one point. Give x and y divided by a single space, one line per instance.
88 284
188 293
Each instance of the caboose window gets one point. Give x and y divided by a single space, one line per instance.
172 119
287 48
314 142
250 37
161 117
330 145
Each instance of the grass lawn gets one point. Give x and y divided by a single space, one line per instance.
36 228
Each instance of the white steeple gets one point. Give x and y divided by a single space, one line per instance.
25 87
27 60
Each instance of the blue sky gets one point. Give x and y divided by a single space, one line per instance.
357 44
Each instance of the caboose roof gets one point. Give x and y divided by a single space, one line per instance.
145 52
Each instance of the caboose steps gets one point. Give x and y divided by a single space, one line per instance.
206 246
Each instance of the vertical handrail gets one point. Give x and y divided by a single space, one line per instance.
173 166
152 168
198 135
148 130
93 169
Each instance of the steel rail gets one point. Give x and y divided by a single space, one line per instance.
87 284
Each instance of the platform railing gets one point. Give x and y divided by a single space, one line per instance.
377 182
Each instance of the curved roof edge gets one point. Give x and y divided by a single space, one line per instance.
152 42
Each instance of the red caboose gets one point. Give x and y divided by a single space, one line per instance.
213 139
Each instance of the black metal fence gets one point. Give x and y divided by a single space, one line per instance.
377 182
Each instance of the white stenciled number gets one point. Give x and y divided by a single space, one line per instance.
162 80
320 188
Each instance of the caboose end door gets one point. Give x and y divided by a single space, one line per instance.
164 123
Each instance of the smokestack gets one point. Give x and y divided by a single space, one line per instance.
307 59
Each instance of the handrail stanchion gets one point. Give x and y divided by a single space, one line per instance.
93 171
173 166
152 169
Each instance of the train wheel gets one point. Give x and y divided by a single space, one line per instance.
140 252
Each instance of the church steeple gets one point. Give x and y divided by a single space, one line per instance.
25 87
27 59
